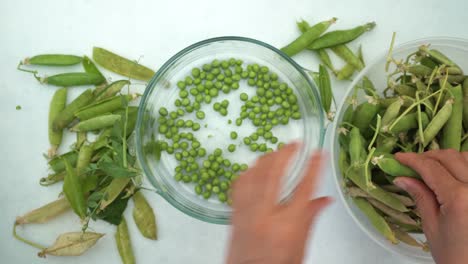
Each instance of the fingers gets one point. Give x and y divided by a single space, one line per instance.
453 161
316 206
425 199
437 178
309 183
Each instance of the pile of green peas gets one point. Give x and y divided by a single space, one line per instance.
273 104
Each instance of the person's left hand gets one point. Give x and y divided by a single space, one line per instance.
265 231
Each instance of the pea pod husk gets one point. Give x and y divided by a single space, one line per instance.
53 60
44 213
345 72
57 164
406 238
90 67
110 90
73 79
68 114
308 36
325 59
73 191
52 178
379 222
121 65
401 217
107 106
72 244
96 123
57 104
113 190
124 245
325 90
452 131
143 216
337 37
345 53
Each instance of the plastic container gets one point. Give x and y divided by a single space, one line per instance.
162 91
457 49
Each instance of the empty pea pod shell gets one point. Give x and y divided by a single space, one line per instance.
344 52
53 60
144 216
68 114
52 178
73 191
131 118
437 122
107 106
121 65
90 67
96 123
406 238
44 213
376 219
73 79
325 59
72 244
57 164
124 245
113 190
337 37
57 104
345 72
399 216
452 131
110 90
325 90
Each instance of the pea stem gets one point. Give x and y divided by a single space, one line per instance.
369 184
420 127
390 51
440 95
33 244
124 139
376 133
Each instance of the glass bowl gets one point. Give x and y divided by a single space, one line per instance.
162 90
453 48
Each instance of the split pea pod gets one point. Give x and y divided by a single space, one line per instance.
437 122
68 114
325 90
44 213
124 245
345 53
345 72
113 190
72 79
96 123
53 60
368 86
106 106
364 115
452 131
84 159
57 104
52 178
325 59
409 121
144 216
465 103
392 167
109 90
90 67
81 138
379 223
57 164
73 191
399 216
337 37
121 65
307 37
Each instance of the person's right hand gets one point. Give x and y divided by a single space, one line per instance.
442 200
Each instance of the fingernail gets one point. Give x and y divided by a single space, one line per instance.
400 183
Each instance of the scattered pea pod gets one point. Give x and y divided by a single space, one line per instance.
53 60
325 91
144 216
106 106
44 213
109 90
57 104
72 79
124 245
68 114
90 67
337 37
73 191
96 123
344 52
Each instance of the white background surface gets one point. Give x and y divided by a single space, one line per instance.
157 30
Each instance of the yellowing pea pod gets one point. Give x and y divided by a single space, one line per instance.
406 238
106 106
143 216
437 122
68 114
53 60
392 167
121 65
124 244
452 131
345 53
74 191
57 104
72 244
379 222
110 90
96 123
44 213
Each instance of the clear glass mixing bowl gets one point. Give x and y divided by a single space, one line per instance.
162 91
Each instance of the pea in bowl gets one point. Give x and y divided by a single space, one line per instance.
457 49
215 107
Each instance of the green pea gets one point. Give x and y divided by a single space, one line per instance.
196 127
178 103
226 89
238 121
232 148
207 99
200 114
233 135
225 103
181 85
223 112
254 147
251 82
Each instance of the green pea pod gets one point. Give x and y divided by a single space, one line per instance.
345 53
57 164
81 138
419 70
368 86
109 90
325 59
452 131
73 79
106 106
44 213
113 190
325 90
437 122
401 217
68 114
96 123
390 114
348 114
343 161
303 25
386 145
131 119
337 37
144 217
355 146
454 79
386 102
394 168
428 62
356 175
53 60
124 244
73 191
364 115
376 219
345 72
407 122
438 56
90 67
308 36
404 89
121 65
52 178
57 104
452 71
84 159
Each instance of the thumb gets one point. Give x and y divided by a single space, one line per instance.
425 200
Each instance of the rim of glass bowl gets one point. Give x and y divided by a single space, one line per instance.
335 127
155 180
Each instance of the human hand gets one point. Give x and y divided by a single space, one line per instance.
265 231
442 200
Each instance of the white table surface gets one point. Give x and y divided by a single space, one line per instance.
157 30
